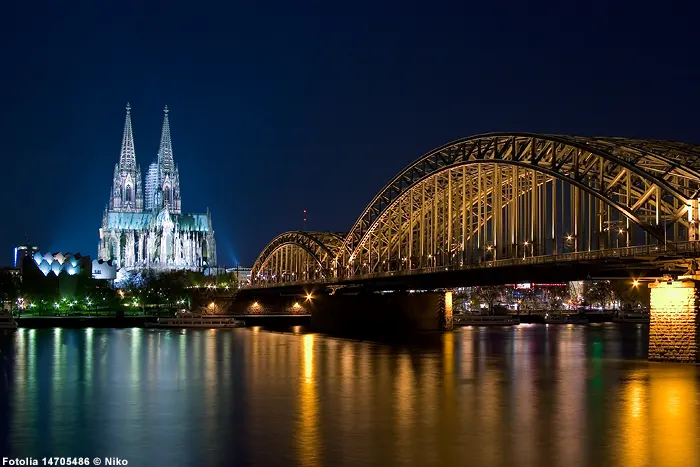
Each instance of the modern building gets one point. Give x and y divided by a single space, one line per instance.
61 263
23 251
143 226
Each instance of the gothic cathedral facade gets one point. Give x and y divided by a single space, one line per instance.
143 225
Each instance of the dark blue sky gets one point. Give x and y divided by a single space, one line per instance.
277 107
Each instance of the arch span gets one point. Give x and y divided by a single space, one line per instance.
298 255
514 195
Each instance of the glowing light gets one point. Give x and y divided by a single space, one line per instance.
635 283
569 237
212 305
296 305
309 296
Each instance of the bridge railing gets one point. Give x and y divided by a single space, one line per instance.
682 249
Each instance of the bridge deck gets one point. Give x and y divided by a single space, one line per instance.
648 256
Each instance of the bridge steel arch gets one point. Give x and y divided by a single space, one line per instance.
298 256
505 196
515 195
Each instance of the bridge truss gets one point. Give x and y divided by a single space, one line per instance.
298 256
507 196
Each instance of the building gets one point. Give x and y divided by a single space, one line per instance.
242 275
23 251
143 226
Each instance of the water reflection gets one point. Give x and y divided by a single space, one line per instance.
309 437
523 395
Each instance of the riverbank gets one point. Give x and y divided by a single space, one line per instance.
38 322
77 322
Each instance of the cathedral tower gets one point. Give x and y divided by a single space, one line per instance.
168 174
146 228
126 194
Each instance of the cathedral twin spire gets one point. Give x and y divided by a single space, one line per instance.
127 157
162 180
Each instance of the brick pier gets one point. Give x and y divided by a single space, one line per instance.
674 330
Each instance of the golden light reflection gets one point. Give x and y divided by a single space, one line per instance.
673 417
448 310
309 442
659 423
634 423
308 357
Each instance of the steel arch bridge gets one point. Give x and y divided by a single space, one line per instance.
299 256
505 196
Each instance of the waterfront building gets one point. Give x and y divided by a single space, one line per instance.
143 226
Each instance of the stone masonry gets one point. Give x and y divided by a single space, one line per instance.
674 330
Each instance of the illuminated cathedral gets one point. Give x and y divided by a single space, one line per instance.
143 225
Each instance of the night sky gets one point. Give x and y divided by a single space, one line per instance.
277 107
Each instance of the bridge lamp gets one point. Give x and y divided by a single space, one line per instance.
635 283
255 304
296 305
489 248
569 237
309 296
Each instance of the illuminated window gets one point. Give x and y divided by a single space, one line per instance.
127 195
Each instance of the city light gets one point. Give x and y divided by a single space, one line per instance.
635 283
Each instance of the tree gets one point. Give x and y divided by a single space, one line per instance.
575 294
490 295
554 297
9 288
629 295
529 301
598 292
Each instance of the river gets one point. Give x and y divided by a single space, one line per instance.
528 395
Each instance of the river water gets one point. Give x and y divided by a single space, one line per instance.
528 395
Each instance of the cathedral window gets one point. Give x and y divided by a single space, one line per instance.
127 194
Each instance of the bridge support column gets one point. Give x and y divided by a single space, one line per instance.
674 331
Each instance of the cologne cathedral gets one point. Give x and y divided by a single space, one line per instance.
143 225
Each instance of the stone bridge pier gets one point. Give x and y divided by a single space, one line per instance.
674 330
